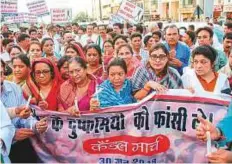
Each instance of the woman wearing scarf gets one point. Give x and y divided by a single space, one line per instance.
80 87
117 90
156 75
108 51
94 61
43 84
74 50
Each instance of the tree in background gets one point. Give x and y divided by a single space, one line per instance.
82 17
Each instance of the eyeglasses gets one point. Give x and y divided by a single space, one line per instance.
44 72
160 57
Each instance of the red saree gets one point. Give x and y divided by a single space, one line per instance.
31 88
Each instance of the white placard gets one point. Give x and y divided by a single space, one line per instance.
9 6
38 7
130 12
61 15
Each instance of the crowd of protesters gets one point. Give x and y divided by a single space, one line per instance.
54 66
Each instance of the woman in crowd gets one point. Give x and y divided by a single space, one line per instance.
74 50
47 45
148 42
203 77
108 51
34 51
94 60
117 90
156 75
63 67
14 51
21 69
80 87
125 52
43 84
119 40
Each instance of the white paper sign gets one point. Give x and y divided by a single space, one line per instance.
130 12
38 7
21 17
61 15
9 6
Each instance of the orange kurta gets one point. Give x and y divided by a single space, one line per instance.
208 86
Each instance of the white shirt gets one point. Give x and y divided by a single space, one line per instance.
85 39
7 132
190 80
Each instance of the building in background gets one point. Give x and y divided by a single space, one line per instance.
187 8
150 8
227 8
170 9
217 8
106 9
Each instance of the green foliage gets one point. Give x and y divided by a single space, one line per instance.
82 17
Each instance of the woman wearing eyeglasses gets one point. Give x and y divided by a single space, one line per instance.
203 77
43 84
156 75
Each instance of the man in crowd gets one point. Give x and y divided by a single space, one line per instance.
66 37
33 33
136 44
179 52
227 27
40 34
6 45
102 37
117 28
205 37
75 28
157 36
227 43
24 42
89 37
189 38
51 33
